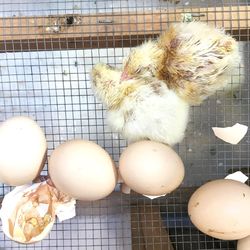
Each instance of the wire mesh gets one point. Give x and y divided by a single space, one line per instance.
47 51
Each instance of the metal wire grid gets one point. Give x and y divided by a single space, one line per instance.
53 87
47 7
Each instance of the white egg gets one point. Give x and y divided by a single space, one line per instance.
151 168
23 150
83 170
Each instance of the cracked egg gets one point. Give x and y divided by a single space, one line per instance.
28 212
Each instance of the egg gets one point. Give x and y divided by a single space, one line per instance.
220 209
23 150
151 168
83 170
244 244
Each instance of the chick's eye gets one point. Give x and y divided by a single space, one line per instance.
138 71
150 70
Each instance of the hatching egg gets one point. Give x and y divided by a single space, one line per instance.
83 170
220 208
23 150
244 244
151 168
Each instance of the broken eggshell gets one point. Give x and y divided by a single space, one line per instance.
125 189
237 176
28 212
232 134
152 197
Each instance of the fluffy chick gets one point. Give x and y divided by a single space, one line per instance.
193 59
140 108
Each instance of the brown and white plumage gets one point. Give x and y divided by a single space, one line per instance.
140 108
193 59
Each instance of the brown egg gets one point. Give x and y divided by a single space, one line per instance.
244 244
151 168
83 170
220 208
23 150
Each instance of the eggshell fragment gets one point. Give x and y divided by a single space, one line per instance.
220 208
152 197
151 168
244 244
237 176
232 134
125 189
23 150
28 212
83 170
119 178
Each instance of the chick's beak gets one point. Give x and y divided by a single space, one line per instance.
125 76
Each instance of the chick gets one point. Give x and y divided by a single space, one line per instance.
140 108
193 59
